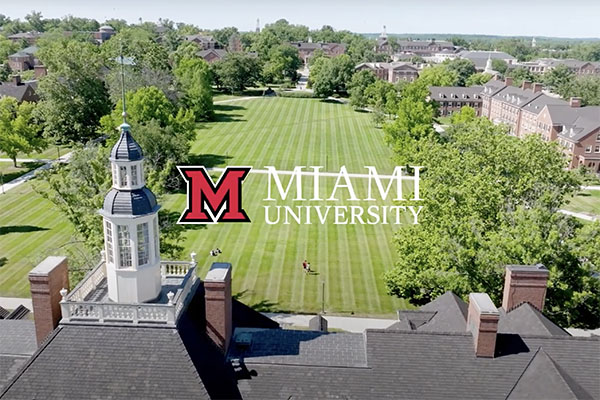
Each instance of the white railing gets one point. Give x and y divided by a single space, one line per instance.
75 308
88 283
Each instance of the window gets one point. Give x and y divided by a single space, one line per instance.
109 243
134 175
143 245
598 138
114 174
597 149
122 176
156 242
124 246
588 149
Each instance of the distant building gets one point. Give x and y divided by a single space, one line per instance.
383 45
235 43
204 42
29 37
104 33
306 49
22 91
423 48
452 98
579 68
212 55
23 60
391 72
480 58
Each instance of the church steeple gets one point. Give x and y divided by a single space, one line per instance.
130 224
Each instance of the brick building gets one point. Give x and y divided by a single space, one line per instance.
391 72
577 67
452 98
23 60
204 42
306 49
423 48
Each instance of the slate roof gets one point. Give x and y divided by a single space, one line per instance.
537 105
130 202
417 365
448 93
219 52
20 92
126 148
516 96
527 320
17 344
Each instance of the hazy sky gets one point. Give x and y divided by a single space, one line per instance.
573 18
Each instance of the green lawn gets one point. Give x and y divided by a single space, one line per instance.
50 153
585 202
8 172
266 259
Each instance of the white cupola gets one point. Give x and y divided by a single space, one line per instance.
131 228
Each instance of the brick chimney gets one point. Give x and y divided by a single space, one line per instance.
537 87
40 71
575 102
482 322
525 283
16 80
217 295
526 85
508 81
46 280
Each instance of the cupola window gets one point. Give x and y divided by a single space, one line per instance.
124 246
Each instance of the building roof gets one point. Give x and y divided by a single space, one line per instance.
130 202
17 344
126 148
219 52
537 105
451 93
516 96
25 35
527 320
432 365
200 38
20 92
577 122
480 57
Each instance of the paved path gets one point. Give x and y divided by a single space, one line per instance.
237 99
24 178
23 160
10 303
349 324
590 188
587 217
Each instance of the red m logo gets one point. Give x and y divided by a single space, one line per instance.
208 203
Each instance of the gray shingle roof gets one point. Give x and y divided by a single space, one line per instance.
527 320
130 202
537 105
126 148
19 92
119 362
17 344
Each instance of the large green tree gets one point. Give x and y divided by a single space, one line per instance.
464 69
489 203
438 75
283 64
237 71
331 75
194 79
73 94
357 86
20 133
586 87
558 77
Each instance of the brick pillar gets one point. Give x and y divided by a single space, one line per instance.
217 295
46 280
524 283
482 322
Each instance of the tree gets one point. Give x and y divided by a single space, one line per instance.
195 80
558 77
499 65
479 78
330 75
223 35
519 75
7 47
357 86
465 115
36 21
237 71
143 105
438 75
414 122
489 203
382 96
586 87
283 64
73 95
459 41
464 69
19 131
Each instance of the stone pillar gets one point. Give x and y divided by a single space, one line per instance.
46 280
217 295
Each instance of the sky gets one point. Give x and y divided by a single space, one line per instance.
555 18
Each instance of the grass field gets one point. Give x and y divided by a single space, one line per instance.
9 172
266 259
586 202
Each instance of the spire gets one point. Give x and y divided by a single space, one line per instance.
384 33
123 85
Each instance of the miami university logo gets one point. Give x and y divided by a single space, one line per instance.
209 204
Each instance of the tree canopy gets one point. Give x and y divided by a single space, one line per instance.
20 133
